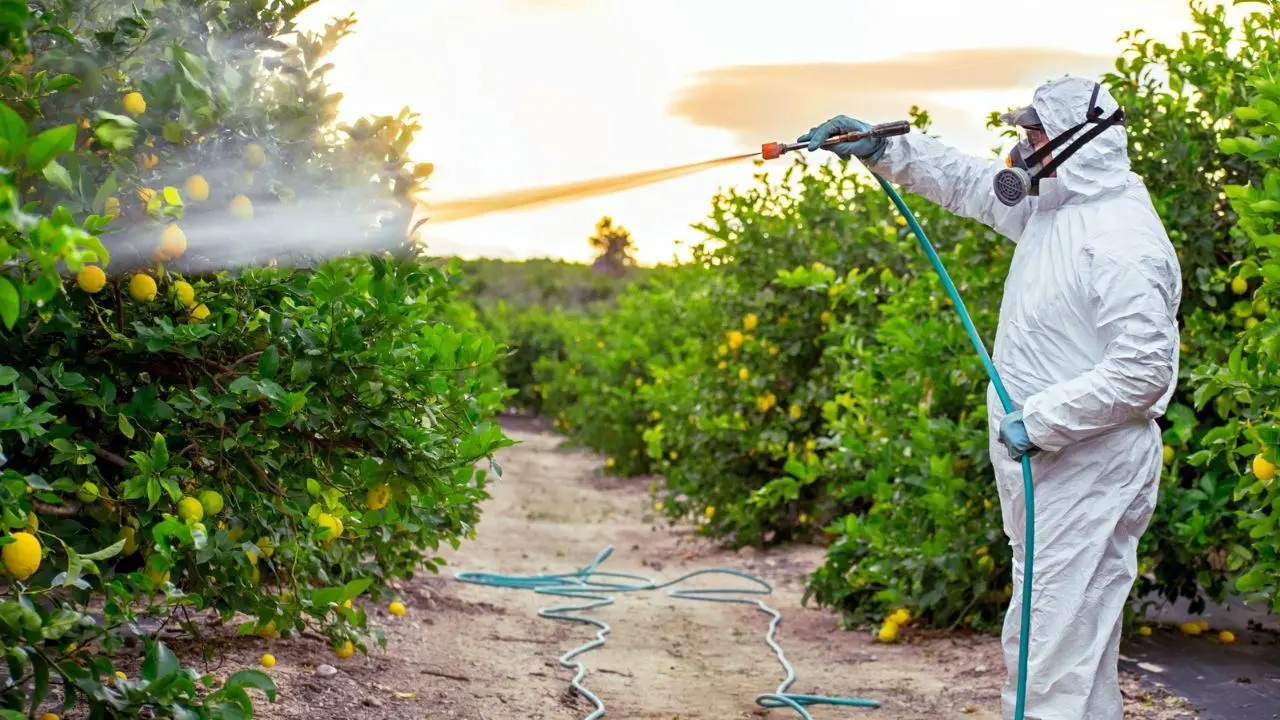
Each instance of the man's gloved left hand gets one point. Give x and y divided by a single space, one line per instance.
1013 435
867 148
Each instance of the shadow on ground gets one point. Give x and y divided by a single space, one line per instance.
1224 682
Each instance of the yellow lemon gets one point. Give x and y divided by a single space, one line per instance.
142 287
1239 286
1144 631
111 206
254 155
268 660
134 104
173 242
185 293
609 463
190 509
200 311
826 317
710 512
330 523
197 188
658 506
241 207
397 608
1168 454
345 650
1263 469
130 537
157 578
901 616
21 557
1190 628
211 502
1227 637
49 716
750 321
1251 323
744 374
91 278
378 497
888 632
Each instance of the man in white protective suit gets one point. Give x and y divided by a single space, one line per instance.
1087 346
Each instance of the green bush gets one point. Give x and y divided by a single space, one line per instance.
266 444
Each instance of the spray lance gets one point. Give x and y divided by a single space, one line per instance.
770 151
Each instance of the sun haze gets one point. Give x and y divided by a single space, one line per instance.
519 94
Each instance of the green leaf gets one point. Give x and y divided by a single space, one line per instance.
10 303
8 375
269 362
75 566
48 145
62 82
254 679
58 176
160 663
41 689
107 553
171 195
126 427
107 190
13 131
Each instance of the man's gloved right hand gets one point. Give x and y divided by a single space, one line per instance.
867 149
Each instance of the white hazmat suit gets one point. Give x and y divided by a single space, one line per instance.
1087 346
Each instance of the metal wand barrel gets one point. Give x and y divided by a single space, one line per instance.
771 151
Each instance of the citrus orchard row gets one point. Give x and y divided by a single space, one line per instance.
273 442
806 378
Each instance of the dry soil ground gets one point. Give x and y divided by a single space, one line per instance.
479 653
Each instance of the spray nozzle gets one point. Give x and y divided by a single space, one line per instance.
772 151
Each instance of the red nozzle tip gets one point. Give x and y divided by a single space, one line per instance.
771 151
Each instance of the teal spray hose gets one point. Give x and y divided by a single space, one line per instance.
592 585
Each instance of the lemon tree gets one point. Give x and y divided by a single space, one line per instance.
261 436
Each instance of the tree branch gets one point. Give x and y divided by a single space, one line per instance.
110 457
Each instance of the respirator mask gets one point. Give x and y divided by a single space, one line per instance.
1026 166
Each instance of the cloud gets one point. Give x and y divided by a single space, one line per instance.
761 103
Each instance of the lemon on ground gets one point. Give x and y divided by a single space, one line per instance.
200 312
211 501
901 616
888 632
241 207
1227 637
1144 631
190 509
1239 286
378 497
330 523
173 242
397 608
185 293
610 462
91 278
1263 469
345 650
1190 628
21 557
268 660
134 103
87 492
197 188
142 287
254 155
111 206
49 716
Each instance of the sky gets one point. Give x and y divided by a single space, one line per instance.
515 94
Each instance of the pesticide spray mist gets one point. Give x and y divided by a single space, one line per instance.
465 208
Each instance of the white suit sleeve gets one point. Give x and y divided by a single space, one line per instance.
957 181
1139 333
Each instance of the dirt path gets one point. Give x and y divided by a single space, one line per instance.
480 653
